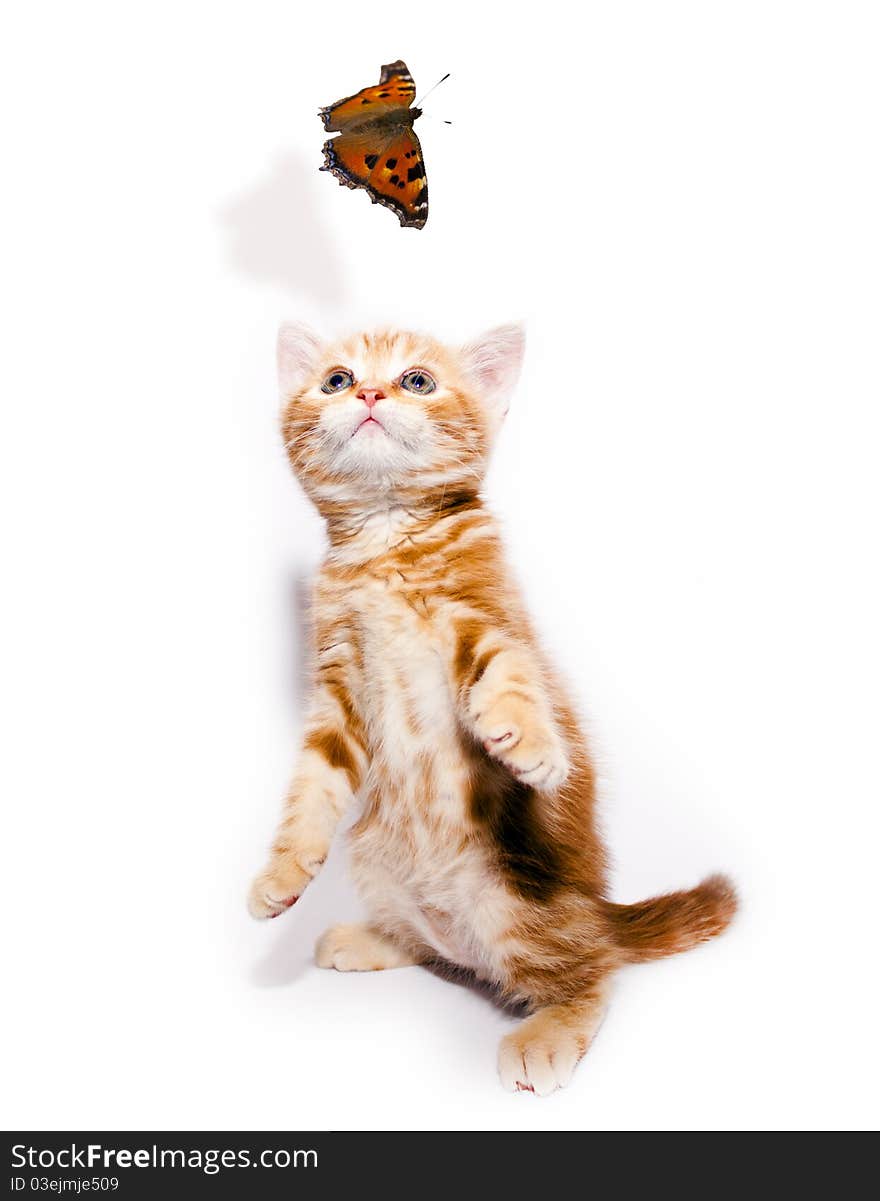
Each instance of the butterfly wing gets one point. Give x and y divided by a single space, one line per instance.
395 90
387 162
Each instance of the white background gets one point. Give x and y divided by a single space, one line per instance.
682 202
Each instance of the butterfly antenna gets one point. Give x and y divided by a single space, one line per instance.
433 89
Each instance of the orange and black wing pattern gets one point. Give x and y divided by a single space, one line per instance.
391 172
377 148
395 90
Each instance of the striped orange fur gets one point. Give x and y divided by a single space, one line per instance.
435 706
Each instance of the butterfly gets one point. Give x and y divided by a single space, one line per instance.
377 148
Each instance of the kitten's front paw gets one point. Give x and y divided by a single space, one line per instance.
280 885
515 733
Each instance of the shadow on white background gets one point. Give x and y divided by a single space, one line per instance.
277 236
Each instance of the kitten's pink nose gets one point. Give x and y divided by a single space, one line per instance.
370 395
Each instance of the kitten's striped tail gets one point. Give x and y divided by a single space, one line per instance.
673 922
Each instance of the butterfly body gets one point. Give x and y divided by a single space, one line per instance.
377 148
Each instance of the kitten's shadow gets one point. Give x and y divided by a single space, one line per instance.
300 601
276 234
453 974
291 952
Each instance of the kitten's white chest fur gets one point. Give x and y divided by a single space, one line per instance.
406 696
415 863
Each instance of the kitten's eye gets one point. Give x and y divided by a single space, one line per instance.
337 381
417 381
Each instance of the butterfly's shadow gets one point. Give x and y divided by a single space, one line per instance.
276 235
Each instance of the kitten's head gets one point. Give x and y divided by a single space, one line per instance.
393 415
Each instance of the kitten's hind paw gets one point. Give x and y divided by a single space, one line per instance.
537 1066
542 1053
359 948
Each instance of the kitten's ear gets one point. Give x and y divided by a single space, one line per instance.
298 350
493 362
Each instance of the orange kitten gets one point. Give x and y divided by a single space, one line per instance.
434 704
